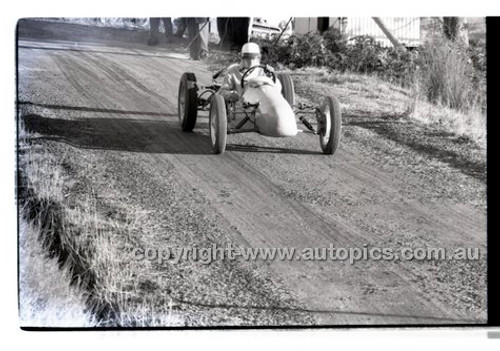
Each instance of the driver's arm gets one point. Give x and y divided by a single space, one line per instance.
229 87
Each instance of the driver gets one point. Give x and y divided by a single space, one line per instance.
250 57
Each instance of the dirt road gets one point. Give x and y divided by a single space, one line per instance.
116 105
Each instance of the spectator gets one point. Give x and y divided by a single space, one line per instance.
233 31
199 34
181 24
154 30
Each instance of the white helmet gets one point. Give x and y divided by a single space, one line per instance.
250 49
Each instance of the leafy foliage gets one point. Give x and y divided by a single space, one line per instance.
333 50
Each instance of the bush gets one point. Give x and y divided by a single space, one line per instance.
333 50
477 53
447 75
335 41
365 55
400 67
296 52
307 50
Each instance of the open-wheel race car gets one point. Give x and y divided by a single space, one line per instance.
265 107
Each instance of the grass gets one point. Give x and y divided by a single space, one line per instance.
469 125
447 75
72 258
46 295
368 95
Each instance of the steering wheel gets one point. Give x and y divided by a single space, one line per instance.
267 72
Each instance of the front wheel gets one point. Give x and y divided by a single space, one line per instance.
187 102
218 124
287 89
330 124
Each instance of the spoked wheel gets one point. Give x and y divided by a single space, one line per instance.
187 102
287 89
329 125
218 124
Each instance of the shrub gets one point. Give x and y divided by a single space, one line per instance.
447 75
295 52
307 50
400 67
365 55
335 41
477 53
333 50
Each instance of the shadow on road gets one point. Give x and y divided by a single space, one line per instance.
269 149
95 109
122 134
130 134
461 154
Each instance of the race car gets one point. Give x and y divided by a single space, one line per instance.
264 107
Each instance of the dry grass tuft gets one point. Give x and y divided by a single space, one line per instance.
447 76
74 268
47 299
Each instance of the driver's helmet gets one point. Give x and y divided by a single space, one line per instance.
250 55
250 50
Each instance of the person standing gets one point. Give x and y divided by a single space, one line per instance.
233 31
181 23
154 29
199 34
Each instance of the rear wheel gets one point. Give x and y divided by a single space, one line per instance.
218 124
287 90
187 102
329 125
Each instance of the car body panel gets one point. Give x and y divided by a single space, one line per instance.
274 116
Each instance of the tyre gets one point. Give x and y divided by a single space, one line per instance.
187 102
218 124
287 90
329 125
